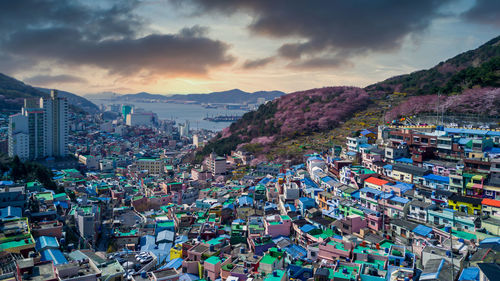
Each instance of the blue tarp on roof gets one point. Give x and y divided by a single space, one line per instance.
10 212
366 132
188 277
432 177
400 199
327 179
371 190
307 201
494 150
63 204
44 242
309 182
495 240
245 200
403 187
2 183
490 242
54 255
386 195
307 227
422 230
291 207
175 263
350 153
404 160
387 167
296 251
147 243
355 195
470 274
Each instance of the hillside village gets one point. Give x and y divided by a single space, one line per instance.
397 202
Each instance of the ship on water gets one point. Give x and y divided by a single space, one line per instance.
223 118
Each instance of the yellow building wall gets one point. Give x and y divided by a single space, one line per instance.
470 208
406 177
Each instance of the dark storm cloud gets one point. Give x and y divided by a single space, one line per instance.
183 53
331 26
251 64
54 79
484 12
107 35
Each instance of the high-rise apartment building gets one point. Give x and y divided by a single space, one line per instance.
56 137
40 130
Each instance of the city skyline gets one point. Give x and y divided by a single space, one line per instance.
204 46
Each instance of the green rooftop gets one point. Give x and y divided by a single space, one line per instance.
14 244
213 260
268 259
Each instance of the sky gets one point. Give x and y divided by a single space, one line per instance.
201 46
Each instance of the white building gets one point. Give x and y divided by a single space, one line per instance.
184 129
196 141
139 117
216 165
27 134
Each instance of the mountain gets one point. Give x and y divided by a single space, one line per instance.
314 120
101 96
13 92
75 100
142 96
230 96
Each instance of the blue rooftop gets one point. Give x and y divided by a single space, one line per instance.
371 190
469 274
54 255
297 252
245 201
10 213
433 177
422 230
306 228
44 242
400 199
404 160
366 132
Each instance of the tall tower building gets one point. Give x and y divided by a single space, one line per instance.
27 134
18 136
40 130
56 120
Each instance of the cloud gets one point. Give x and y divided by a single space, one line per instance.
331 27
252 64
54 79
176 54
108 35
484 12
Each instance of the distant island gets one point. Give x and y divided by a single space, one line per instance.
234 96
